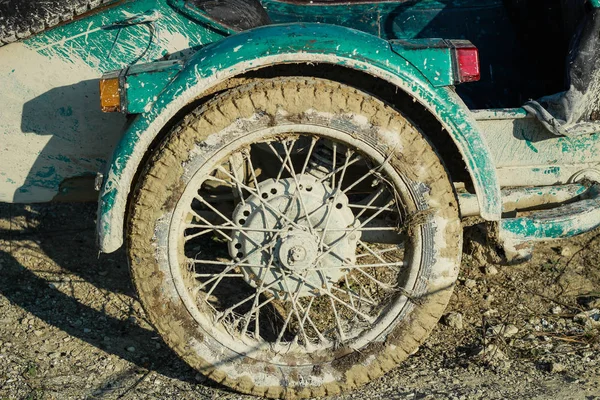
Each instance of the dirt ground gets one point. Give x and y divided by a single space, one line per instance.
70 327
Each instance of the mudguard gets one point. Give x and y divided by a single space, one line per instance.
279 44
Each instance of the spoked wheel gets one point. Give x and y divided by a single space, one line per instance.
294 237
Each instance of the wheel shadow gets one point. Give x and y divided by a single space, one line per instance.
66 236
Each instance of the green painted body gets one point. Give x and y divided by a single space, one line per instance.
432 57
180 55
144 83
293 43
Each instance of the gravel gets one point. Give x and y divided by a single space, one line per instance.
71 328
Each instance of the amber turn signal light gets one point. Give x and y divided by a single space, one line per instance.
110 94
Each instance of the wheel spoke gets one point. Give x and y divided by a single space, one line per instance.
263 244
340 240
235 265
201 218
383 251
327 291
237 187
294 304
247 299
313 142
227 220
368 249
259 290
295 178
383 285
335 196
278 214
352 294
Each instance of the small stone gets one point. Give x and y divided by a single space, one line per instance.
556 310
491 270
86 330
589 319
588 354
506 331
131 349
594 304
510 331
566 251
492 353
555 367
454 320
38 333
470 283
490 313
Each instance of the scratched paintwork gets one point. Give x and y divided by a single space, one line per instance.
92 41
51 127
53 134
526 154
432 57
144 83
291 44
486 23
562 222
523 198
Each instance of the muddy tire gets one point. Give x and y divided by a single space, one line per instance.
248 157
20 19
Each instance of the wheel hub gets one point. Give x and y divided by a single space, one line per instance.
298 250
284 251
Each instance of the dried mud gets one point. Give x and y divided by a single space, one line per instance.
71 328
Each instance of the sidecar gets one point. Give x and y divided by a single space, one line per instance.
289 177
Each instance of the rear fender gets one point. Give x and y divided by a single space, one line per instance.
287 44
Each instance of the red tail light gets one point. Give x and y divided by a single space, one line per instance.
467 62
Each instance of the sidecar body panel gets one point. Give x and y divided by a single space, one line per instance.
281 44
55 139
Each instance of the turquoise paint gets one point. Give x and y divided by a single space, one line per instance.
84 45
111 49
434 58
387 19
564 222
552 171
528 141
60 157
288 44
199 16
144 83
595 3
531 146
50 171
65 111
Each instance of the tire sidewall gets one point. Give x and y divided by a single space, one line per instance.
188 149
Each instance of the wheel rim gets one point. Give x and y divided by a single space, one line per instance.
268 282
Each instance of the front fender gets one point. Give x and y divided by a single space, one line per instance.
279 44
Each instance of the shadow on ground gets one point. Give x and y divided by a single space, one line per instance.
66 234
